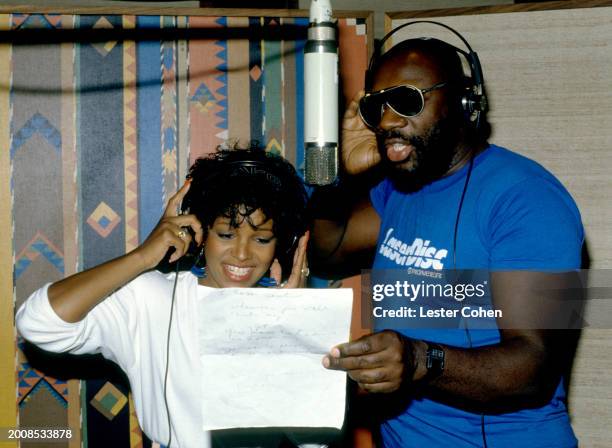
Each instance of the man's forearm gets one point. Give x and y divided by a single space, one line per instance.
330 213
523 369
517 370
344 231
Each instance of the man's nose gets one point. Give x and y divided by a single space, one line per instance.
390 119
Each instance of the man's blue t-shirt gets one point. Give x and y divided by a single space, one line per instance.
515 216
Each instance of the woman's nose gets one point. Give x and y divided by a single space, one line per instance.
241 249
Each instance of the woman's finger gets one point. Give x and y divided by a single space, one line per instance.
189 221
172 209
276 271
300 257
180 240
299 270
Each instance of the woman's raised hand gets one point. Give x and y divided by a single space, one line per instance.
299 271
359 147
171 231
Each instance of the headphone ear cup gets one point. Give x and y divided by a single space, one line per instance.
475 98
472 104
467 102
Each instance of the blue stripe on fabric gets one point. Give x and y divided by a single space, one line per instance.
101 147
273 89
102 180
150 179
299 98
256 103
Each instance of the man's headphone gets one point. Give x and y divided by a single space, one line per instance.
473 100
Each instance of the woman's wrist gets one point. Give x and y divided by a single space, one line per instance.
137 259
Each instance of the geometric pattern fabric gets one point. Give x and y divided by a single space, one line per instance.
162 104
109 401
103 219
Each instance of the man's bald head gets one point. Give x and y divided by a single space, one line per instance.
442 57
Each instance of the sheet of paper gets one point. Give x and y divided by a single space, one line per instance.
261 351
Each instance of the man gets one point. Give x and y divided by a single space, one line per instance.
477 206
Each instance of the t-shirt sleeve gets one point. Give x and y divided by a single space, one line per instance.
110 328
379 195
535 225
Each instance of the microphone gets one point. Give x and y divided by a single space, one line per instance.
321 96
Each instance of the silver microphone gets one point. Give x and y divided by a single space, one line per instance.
321 96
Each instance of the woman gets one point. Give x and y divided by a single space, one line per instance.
244 219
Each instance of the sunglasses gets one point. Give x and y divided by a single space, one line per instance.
405 100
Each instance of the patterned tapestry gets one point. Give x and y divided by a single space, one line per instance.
100 118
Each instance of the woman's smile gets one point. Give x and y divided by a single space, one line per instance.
239 255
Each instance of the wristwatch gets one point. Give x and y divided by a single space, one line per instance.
434 361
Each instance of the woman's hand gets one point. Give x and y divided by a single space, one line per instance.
359 147
73 297
299 271
170 232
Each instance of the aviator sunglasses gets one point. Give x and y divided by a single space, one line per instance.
405 100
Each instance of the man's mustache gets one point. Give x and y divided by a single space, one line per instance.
384 135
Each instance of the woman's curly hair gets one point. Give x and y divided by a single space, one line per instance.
235 183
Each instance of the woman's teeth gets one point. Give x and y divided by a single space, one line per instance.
238 271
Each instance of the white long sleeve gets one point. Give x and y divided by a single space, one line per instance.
130 327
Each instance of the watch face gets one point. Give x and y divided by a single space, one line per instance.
435 359
437 353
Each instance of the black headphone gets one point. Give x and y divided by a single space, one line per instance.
473 100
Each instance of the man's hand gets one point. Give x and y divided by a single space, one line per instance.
359 147
379 362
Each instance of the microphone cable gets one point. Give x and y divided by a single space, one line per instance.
176 272
455 234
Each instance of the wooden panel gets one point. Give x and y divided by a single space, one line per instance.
170 11
521 7
548 72
8 386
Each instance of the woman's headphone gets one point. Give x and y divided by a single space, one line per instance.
232 170
473 100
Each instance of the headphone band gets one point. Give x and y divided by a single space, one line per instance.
474 102
387 36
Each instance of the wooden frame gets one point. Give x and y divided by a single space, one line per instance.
172 11
183 11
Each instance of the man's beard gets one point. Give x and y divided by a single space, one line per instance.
433 156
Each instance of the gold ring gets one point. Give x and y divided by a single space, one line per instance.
181 234
305 272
